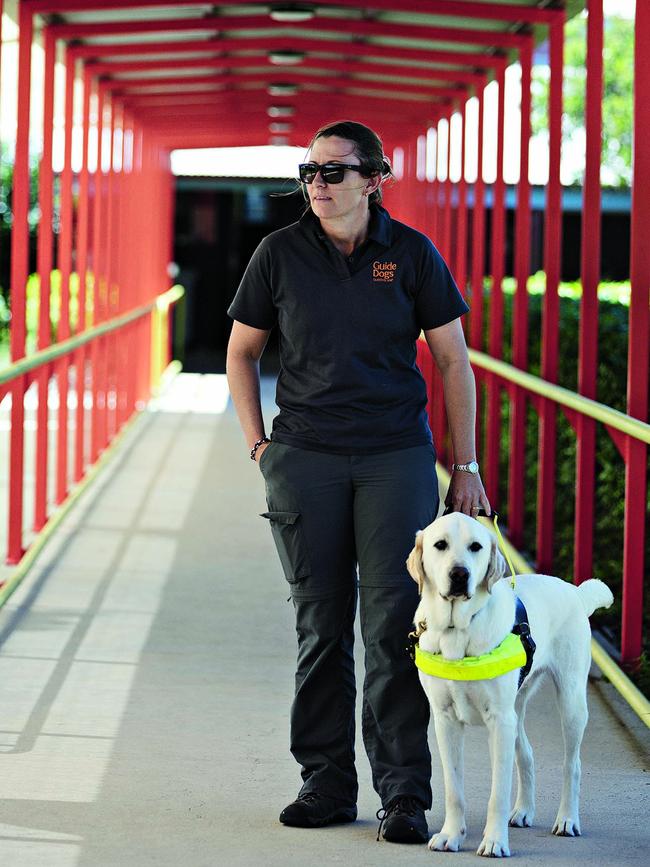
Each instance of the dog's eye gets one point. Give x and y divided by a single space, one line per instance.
475 546
441 545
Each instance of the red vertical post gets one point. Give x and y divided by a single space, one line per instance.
97 353
516 476
495 339
82 354
434 189
62 364
638 350
590 275
551 308
44 264
19 272
461 223
109 260
449 201
478 267
478 235
448 191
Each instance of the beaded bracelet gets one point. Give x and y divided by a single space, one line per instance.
257 445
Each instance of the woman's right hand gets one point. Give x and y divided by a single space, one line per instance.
260 451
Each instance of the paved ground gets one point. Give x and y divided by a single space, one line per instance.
146 675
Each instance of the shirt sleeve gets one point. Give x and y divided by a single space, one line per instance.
253 302
438 300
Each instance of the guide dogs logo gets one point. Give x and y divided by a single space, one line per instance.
383 272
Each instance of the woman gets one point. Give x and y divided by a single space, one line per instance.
350 470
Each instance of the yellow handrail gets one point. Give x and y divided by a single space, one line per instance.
629 425
18 368
616 676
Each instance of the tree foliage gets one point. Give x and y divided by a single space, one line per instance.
618 74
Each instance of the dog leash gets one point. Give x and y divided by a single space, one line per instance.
494 515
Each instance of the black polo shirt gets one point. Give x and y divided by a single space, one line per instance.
348 382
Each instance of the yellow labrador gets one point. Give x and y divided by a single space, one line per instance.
468 611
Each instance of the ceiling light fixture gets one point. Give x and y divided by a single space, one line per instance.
278 140
286 57
282 89
293 13
281 111
280 127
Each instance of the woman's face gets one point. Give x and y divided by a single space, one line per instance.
331 201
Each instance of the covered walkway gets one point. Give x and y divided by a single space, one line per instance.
146 674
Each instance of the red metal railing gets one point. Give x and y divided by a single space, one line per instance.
630 432
113 245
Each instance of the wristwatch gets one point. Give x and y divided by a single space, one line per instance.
471 467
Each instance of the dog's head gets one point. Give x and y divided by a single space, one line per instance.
455 558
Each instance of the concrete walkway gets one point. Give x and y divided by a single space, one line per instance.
146 670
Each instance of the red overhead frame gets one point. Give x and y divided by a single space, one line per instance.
636 484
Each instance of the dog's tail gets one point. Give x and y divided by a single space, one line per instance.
594 594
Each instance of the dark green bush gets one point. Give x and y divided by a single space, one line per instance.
610 467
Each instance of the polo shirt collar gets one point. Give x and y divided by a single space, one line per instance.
379 229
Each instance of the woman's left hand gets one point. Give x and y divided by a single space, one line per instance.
467 494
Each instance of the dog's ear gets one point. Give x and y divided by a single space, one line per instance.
414 562
496 567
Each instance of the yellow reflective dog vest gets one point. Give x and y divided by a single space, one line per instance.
505 657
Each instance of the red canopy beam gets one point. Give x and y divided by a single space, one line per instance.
354 67
225 24
468 9
227 46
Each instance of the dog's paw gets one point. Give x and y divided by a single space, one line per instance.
565 826
522 817
492 848
443 842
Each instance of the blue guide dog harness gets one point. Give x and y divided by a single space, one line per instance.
515 651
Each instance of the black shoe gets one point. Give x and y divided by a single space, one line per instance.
402 821
312 810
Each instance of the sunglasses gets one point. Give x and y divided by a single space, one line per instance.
331 173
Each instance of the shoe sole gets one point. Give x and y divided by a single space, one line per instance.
406 839
338 818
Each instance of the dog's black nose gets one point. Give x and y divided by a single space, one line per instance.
458 575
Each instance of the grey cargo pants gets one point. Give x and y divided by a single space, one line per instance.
329 513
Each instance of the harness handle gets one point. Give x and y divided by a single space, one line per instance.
494 516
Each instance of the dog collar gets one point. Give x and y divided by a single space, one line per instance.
507 656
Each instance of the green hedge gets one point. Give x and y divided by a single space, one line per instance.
33 305
610 468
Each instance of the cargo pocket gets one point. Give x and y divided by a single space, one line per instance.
290 542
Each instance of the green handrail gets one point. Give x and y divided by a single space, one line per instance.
18 368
